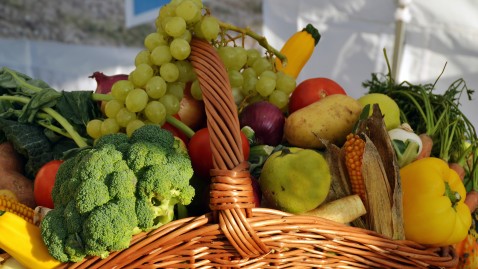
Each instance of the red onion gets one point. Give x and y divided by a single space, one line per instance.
104 82
266 120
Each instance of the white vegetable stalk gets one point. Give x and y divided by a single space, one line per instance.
406 143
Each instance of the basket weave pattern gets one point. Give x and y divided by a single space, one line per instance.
237 235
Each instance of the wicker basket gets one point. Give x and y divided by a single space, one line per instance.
236 235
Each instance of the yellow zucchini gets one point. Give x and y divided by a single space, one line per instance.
298 49
22 240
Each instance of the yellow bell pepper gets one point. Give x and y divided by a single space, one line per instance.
434 212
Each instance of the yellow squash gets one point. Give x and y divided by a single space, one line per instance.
298 49
22 240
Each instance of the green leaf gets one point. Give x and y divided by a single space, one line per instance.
29 141
79 108
45 98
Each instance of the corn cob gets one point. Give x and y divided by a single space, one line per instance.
10 205
354 149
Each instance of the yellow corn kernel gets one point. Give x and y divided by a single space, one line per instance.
354 148
17 208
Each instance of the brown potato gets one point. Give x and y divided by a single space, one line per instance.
330 119
11 175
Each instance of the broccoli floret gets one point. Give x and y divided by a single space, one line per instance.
153 134
106 193
159 189
108 228
143 154
119 140
72 218
54 234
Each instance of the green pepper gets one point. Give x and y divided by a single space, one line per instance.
295 180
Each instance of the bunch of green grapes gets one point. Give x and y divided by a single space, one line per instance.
253 77
156 86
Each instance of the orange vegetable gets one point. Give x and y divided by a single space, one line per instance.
354 148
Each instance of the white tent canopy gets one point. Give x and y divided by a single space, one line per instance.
355 32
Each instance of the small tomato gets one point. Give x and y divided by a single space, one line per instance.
312 90
44 181
201 155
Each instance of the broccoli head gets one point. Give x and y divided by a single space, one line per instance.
120 186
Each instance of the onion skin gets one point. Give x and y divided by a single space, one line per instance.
266 120
104 82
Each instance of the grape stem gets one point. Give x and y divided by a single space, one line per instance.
260 39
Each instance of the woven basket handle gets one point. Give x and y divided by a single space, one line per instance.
231 194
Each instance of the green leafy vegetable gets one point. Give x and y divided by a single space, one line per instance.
437 115
40 121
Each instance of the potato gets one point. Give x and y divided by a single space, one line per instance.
330 119
11 176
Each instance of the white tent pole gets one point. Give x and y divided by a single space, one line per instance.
402 16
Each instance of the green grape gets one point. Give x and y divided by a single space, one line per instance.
187 10
237 95
196 92
161 55
264 86
141 74
93 128
186 36
252 56
143 57
159 26
176 89
112 107
186 72
133 126
249 73
136 100
240 58
166 11
261 65
169 72
109 126
121 88
279 99
124 116
285 83
249 86
155 112
171 103
198 3
210 28
227 56
180 49
155 87
153 40
235 78
269 74
175 26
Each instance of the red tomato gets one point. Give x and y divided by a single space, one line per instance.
44 181
201 155
312 90
175 130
